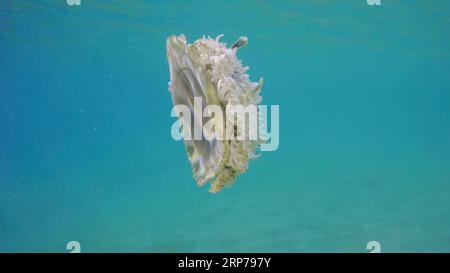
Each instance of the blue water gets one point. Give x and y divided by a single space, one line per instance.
86 153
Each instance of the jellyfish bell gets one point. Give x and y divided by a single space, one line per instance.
208 73
189 80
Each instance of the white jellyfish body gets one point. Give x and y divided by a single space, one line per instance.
209 70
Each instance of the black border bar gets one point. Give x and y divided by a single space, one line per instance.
222 262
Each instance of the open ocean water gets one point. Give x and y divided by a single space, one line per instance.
86 152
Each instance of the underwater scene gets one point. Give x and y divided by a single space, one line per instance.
358 117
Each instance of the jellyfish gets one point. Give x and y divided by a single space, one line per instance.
210 70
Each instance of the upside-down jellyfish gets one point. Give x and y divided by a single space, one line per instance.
210 70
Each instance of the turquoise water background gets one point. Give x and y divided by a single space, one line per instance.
86 153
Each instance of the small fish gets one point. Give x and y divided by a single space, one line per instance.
241 42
